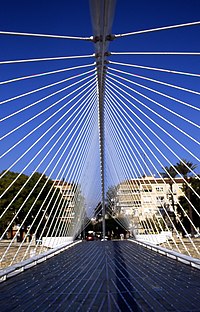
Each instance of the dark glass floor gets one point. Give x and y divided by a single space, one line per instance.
104 276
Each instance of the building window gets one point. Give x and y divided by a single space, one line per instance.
147 200
160 201
159 189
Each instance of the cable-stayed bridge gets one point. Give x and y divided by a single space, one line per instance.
101 137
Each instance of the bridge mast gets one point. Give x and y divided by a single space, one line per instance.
102 13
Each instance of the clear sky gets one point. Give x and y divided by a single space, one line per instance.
73 18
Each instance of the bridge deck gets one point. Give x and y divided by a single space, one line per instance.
104 276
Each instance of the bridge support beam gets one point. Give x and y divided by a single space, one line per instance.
102 13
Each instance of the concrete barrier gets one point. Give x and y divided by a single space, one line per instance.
152 238
53 242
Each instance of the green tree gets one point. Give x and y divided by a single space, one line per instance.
195 185
27 199
185 167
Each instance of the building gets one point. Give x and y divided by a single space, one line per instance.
143 198
68 194
72 211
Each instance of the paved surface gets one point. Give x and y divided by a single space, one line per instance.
104 276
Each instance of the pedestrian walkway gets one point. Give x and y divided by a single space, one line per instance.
104 276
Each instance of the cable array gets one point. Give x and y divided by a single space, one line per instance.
146 118
153 133
49 156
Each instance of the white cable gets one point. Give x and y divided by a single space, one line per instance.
32 205
158 104
82 154
156 53
178 173
157 29
153 90
173 86
170 71
44 98
152 175
120 140
127 145
41 89
159 139
41 138
25 185
44 147
14 33
48 140
166 159
166 132
76 168
50 176
47 59
63 167
111 153
45 73
47 119
156 136
38 195
75 144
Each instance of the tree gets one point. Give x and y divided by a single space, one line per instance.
30 198
98 211
184 167
170 173
195 185
111 197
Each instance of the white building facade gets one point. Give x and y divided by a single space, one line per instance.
146 197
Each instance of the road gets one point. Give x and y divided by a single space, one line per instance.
104 276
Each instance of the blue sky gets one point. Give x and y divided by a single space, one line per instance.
73 18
